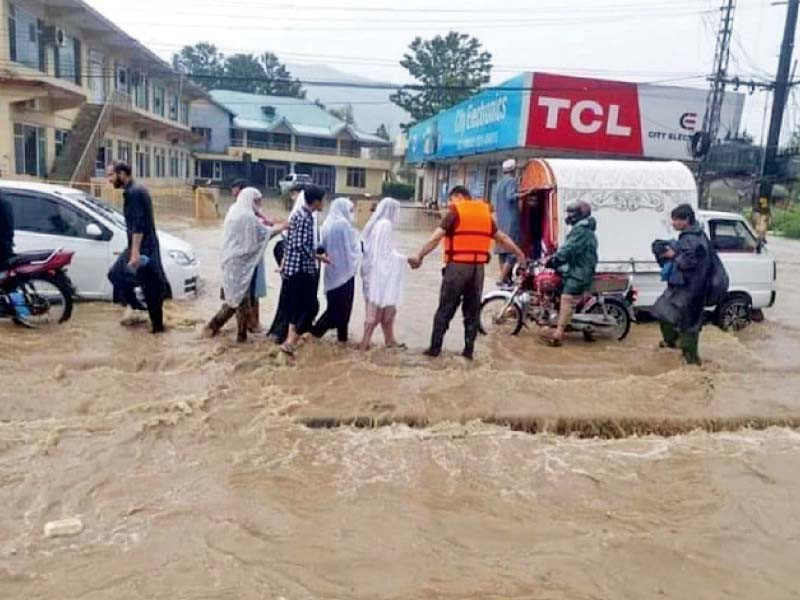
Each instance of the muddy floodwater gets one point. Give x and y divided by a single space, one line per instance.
205 470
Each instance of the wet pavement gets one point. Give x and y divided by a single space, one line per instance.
191 466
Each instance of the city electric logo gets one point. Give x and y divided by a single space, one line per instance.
688 121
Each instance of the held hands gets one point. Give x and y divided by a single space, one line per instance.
324 258
415 262
669 254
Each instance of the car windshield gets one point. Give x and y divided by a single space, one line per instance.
97 205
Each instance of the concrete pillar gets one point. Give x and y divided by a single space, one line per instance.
6 138
244 138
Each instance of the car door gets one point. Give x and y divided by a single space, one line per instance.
748 269
43 222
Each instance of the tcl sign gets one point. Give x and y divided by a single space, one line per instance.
574 113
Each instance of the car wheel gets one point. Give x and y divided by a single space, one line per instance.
735 314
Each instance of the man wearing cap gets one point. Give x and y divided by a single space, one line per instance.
506 210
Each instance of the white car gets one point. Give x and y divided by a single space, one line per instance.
50 216
292 179
751 269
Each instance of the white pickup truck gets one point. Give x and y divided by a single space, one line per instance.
632 202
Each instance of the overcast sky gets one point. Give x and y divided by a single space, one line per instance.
637 40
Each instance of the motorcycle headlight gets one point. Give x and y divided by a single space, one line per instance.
181 258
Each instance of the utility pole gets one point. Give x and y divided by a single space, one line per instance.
716 95
782 85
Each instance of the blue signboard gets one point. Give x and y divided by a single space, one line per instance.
487 122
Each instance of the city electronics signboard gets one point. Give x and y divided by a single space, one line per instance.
594 116
492 120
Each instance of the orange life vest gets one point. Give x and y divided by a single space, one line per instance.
471 242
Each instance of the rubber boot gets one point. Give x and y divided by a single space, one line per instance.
243 319
218 321
254 320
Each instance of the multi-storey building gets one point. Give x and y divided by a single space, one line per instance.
267 138
76 92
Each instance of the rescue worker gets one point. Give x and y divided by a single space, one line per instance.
576 260
468 230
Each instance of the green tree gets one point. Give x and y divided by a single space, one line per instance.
244 73
210 68
279 81
383 132
203 62
345 113
448 70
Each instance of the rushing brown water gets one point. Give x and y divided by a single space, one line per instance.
189 463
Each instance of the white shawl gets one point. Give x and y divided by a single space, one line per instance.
340 240
244 240
383 269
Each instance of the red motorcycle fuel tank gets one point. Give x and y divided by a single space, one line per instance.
547 282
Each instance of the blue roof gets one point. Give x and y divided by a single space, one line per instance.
301 116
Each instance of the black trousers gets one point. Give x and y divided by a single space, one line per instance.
302 303
337 314
462 284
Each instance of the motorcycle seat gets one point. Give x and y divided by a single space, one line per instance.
24 258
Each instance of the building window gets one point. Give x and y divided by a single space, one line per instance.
124 152
160 162
349 148
356 178
123 79
173 107
188 168
24 35
68 60
209 169
174 164
62 135
105 155
142 161
140 91
185 113
30 150
316 145
158 100
203 132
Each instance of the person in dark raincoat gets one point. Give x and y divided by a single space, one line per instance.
131 268
576 260
681 308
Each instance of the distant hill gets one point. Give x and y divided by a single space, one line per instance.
371 108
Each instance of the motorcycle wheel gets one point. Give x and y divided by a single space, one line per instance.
496 318
50 301
619 312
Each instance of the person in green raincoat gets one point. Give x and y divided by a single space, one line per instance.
576 260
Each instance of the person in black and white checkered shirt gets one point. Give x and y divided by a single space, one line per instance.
301 267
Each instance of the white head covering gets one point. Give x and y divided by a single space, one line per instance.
509 165
383 269
340 240
244 240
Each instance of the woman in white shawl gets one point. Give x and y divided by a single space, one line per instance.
383 271
244 239
340 240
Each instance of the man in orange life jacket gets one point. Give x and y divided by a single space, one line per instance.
468 230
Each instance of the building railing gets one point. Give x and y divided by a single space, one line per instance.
285 146
311 149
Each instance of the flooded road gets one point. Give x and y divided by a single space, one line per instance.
192 469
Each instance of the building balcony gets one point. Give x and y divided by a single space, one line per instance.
262 145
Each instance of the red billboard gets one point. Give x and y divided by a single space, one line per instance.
592 115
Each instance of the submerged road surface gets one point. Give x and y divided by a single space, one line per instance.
201 469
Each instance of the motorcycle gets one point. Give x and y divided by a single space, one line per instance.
536 296
35 290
